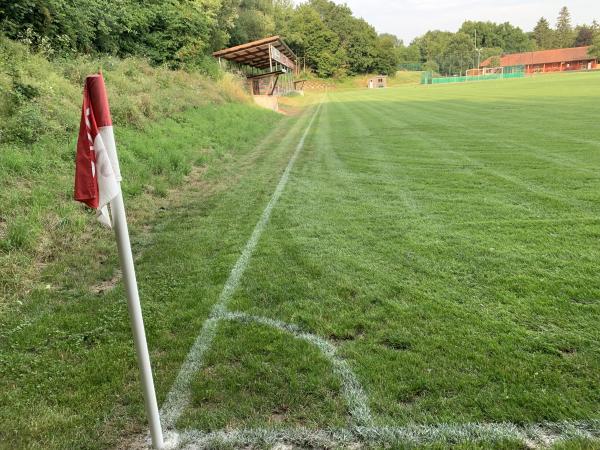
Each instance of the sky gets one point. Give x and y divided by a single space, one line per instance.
408 19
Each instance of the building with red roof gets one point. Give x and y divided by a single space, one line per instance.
556 60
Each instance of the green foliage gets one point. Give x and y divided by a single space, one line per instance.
458 55
174 32
452 53
563 36
431 66
504 35
335 43
25 124
408 54
595 48
584 36
40 105
543 34
324 34
310 37
387 56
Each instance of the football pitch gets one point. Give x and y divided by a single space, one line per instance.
395 268
424 274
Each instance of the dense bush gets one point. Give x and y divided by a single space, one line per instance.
172 31
182 33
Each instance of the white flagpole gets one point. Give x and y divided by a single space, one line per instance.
135 315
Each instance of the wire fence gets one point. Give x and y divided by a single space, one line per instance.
507 73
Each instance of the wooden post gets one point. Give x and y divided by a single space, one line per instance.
270 59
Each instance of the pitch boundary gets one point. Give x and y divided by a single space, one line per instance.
532 436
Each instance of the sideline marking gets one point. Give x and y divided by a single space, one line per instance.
541 435
178 397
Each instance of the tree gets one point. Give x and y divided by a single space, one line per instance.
564 30
312 40
386 58
432 45
227 16
543 34
584 35
357 38
595 48
431 66
409 54
459 54
504 35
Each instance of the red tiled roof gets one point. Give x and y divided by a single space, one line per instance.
543 57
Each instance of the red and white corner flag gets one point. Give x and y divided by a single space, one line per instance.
97 173
98 184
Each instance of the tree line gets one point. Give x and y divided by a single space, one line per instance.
453 53
328 39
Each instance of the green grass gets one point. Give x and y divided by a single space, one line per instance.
443 238
40 107
66 373
401 78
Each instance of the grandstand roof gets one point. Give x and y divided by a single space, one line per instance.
257 54
543 57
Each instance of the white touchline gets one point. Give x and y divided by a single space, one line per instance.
179 396
540 435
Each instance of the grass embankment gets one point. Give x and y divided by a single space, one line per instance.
67 371
401 78
40 103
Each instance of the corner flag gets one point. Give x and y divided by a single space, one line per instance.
97 168
97 184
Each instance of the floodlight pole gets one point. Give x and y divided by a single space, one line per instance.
478 50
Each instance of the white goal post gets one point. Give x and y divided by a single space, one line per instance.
474 72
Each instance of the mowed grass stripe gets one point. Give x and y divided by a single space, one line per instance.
459 172
497 163
524 128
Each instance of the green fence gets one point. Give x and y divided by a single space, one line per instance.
428 78
411 66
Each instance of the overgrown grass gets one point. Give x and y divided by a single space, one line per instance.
66 361
40 103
